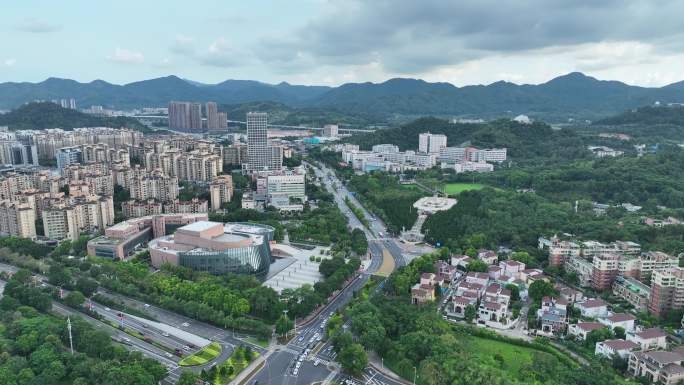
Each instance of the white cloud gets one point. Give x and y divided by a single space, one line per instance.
183 45
122 55
9 62
33 25
221 53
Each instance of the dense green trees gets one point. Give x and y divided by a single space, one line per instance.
383 195
353 358
647 181
490 218
35 347
74 299
359 243
540 289
25 246
283 325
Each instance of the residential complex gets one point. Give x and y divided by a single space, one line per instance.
598 265
185 116
47 142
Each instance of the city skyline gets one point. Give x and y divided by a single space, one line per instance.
330 43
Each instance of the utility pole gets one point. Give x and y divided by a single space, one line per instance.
71 340
415 372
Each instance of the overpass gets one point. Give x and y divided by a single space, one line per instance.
276 126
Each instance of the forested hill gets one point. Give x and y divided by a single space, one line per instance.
574 95
50 115
648 115
525 142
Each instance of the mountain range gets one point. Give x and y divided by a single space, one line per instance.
574 95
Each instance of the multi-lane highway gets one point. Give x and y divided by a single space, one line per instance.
162 346
307 358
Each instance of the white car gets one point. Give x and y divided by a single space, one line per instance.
165 334
317 362
107 309
168 354
186 347
185 324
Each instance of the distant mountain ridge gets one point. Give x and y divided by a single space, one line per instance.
574 95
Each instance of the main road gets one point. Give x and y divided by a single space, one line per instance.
306 358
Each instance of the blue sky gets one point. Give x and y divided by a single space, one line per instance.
333 42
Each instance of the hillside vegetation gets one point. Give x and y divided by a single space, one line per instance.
648 115
49 115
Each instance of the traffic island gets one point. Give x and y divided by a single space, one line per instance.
203 356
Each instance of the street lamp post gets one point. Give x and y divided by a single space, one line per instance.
415 373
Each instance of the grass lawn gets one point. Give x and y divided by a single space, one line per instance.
455 188
205 355
514 356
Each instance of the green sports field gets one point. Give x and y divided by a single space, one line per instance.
455 188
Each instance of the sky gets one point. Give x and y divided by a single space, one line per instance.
332 42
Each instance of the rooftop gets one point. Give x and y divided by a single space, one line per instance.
620 344
199 226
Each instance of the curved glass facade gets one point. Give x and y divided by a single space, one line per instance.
244 260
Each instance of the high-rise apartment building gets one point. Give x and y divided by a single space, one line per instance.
667 291
235 155
17 219
221 191
137 209
68 155
222 120
431 143
179 115
155 186
212 116
17 153
605 270
276 158
186 207
259 155
80 215
195 117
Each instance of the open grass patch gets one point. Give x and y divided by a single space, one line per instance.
513 357
203 356
256 341
456 188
